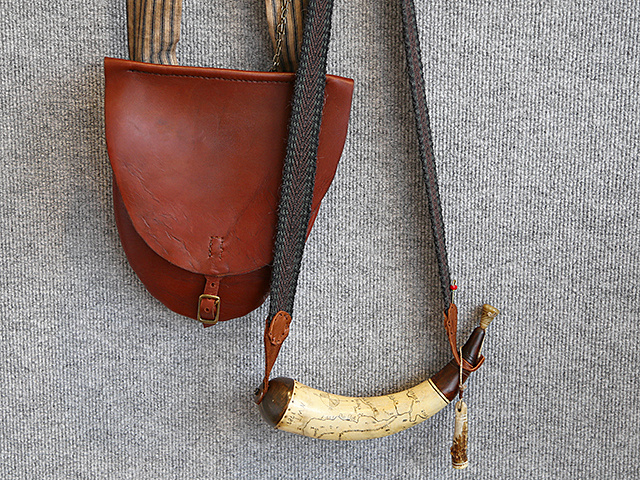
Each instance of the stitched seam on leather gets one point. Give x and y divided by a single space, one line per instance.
211 246
209 78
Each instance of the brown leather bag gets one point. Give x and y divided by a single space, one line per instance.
197 156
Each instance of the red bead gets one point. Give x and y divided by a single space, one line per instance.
453 287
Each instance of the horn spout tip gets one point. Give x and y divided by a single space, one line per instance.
487 316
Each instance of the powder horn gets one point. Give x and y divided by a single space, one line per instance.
293 407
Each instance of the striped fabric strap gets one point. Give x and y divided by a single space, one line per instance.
292 38
154 30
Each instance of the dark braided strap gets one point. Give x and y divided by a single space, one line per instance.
298 178
299 172
416 79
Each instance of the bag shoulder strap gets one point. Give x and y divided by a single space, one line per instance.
154 31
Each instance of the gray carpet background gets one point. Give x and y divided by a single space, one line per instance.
536 120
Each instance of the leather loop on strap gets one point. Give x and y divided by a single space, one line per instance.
469 368
451 326
275 333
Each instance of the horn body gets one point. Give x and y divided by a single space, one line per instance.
293 407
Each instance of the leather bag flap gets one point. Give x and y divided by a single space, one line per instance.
197 154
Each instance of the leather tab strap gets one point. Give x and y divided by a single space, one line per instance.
275 334
209 302
451 326
278 330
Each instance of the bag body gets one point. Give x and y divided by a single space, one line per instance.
197 156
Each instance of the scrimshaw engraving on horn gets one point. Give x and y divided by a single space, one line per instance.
323 415
293 407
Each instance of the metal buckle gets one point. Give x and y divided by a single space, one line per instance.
216 303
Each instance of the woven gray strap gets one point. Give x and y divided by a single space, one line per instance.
299 172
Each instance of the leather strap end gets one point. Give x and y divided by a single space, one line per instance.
209 302
275 333
277 330
451 327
